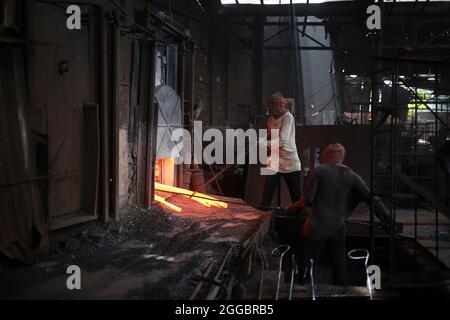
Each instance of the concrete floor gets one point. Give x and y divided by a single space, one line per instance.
425 232
158 255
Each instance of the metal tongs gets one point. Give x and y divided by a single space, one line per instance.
294 269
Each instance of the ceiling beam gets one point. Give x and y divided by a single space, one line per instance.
327 9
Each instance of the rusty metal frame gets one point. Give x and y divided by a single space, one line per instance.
394 176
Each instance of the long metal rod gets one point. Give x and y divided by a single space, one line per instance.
393 149
297 65
261 280
285 248
311 275
200 283
152 129
215 289
416 169
436 146
312 38
332 48
292 276
372 150
344 9
275 35
104 114
222 200
115 117
319 23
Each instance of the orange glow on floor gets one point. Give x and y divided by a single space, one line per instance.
201 198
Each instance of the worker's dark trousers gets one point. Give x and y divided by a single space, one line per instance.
272 183
335 246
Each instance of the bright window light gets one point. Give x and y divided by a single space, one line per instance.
249 1
228 1
272 2
278 2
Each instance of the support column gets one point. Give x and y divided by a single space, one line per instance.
152 126
258 37
298 71
104 105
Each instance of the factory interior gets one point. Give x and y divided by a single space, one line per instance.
92 180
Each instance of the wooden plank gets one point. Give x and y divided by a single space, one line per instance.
70 219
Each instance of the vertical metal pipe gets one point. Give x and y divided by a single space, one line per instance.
211 59
227 79
291 285
192 84
298 71
115 118
376 66
416 169
182 92
311 275
104 114
152 122
258 38
436 162
391 182
372 160
393 147
191 88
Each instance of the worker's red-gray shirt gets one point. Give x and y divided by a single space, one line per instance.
332 193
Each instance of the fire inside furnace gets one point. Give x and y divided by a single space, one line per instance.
165 171
165 181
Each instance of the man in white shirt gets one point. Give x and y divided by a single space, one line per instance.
289 163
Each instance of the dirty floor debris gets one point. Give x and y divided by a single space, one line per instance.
151 254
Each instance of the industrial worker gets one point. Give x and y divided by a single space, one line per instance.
332 192
288 166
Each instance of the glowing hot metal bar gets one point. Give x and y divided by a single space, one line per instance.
167 204
202 198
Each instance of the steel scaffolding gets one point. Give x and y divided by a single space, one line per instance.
410 108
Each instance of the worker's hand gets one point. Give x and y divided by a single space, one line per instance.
291 210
